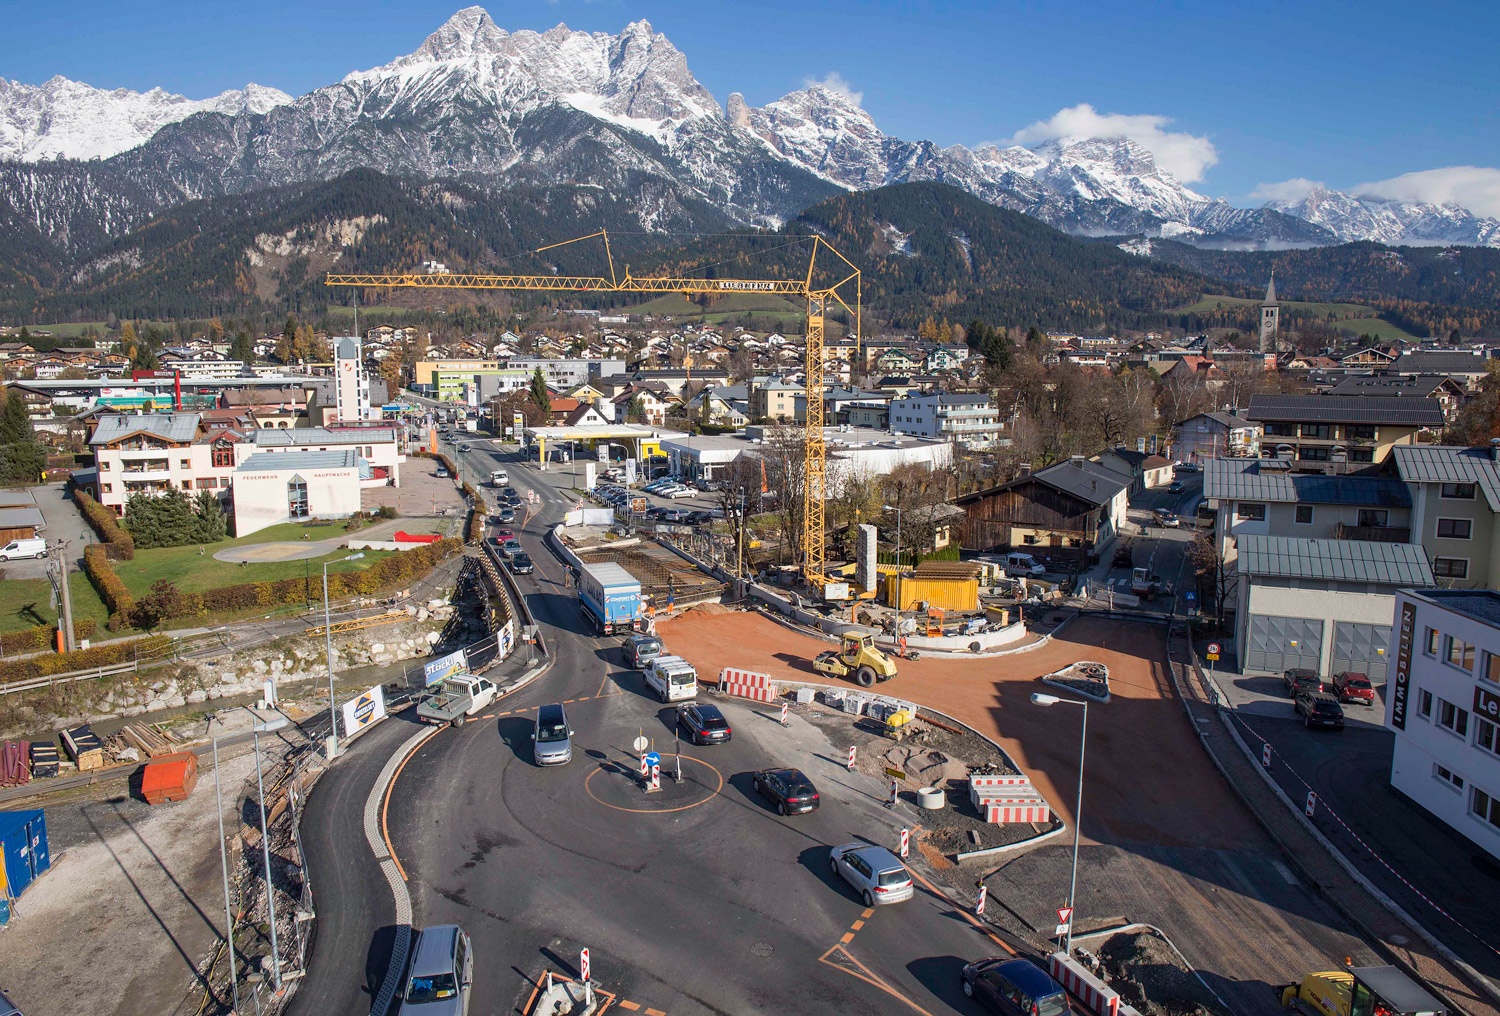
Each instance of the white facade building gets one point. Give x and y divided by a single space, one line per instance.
351 387
1443 704
970 419
295 486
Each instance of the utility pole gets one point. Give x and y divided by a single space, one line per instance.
65 595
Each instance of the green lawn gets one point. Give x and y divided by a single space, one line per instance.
1382 330
193 572
73 329
26 603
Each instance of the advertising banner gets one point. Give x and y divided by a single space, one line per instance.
445 666
1402 680
363 710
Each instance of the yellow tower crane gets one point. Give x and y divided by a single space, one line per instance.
820 292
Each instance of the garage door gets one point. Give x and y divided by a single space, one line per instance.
1355 645
1270 646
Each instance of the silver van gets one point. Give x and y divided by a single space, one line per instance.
441 976
552 740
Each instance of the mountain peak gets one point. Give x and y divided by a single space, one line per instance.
468 33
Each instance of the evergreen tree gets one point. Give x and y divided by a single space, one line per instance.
243 348
212 526
15 421
539 394
169 519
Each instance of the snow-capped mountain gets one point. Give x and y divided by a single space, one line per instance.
622 112
1392 222
65 119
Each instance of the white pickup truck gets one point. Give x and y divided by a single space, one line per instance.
672 678
456 698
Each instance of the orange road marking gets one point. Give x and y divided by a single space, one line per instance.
869 912
655 1012
848 937
602 684
489 716
868 976
627 1004
856 925
569 701
384 833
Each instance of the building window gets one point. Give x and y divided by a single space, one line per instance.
187 484
1313 453
109 488
296 498
1373 517
1485 807
1363 431
1453 718
207 483
1447 776
1029 540
1458 491
184 464
1491 671
1317 430
1250 512
1304 515
1424 704
1487 736
223 456
1450 567
1434 640
1361 455
1454 529
1460 653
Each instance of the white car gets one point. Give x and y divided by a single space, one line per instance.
675 492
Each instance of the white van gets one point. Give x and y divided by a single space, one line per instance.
1017 563
672 678
15 550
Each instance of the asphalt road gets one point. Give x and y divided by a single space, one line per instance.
699 899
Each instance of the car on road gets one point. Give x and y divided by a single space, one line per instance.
1352 686
504 534
1319 709
704 724
1186 467
442 473
876 874
509 492
466 447
1175 487
1302 679
1124 557
441 974
510 548
791 792
1166 519
551 738
642 649
520 563
506 514
1014 987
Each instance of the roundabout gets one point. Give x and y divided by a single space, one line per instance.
622 790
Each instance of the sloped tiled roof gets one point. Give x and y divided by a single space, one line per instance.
178 427
1451 464
1390 564
1342 409
1439 361
1249 480
1088 481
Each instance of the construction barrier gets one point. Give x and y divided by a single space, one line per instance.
1005 810
1019 780
747 684
1100 999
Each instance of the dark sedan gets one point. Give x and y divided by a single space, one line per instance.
704 724
1300 679
521 564
791 792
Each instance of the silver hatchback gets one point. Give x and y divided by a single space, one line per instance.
441 974
875 873
552 740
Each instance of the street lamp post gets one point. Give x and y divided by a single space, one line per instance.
333 713
898 570
1041 699
234 983
267 727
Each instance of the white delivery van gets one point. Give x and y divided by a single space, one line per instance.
499 478
18 549
672 678
1017 563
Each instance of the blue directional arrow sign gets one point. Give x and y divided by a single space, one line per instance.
653 759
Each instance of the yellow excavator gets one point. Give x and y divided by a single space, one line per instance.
859 658
1360 991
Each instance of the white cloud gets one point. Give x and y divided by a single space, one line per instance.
1290 191
1185 156
1474 187
835 83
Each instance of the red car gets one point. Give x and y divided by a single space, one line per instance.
1351 686
504 534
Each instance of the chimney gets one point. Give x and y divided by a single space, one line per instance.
1078 460
1495 448
1026 469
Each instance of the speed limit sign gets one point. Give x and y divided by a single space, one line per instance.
1213 650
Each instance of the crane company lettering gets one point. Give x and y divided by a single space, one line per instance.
730 284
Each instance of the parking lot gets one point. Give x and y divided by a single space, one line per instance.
422 491
63 522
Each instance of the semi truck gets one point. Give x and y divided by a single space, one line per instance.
610 598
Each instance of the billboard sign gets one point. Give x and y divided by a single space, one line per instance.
444 666
363 710
1401 683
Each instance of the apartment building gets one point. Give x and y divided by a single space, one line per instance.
971 420
1340 429
1211 435
1442 701
1455 494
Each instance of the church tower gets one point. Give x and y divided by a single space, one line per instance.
1270 318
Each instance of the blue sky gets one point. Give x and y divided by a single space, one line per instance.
1234 96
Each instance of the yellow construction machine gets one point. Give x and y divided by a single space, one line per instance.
1360 991
859 658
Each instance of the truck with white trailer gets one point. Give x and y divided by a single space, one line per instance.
610 598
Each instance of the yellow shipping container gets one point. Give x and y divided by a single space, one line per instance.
949 594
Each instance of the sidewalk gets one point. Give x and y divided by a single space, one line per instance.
1313 855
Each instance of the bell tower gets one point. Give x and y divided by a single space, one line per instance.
1270 318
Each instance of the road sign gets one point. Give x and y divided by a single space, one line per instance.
1213 648
1060 931
1190 596
1064 914
639 744
653 759
583 965
896 774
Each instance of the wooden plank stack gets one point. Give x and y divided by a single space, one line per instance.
84 747
151 740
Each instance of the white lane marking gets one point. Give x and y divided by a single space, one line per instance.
1284 872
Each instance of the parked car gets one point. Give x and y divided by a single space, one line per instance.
551 738
442 473
442 971
1352 686
1319 709
24 548
679 516
1014 987
876 874
791 792
520 563
709 486
704 724
1302 679
679 491
700 517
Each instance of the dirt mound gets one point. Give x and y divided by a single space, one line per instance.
1146 972
710 609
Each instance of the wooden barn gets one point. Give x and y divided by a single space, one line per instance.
1063 514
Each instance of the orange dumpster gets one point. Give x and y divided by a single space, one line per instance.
170 777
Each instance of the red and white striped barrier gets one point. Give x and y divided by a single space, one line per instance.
1001 807
656 777
1101 999
905 842
747 684
983 894
851 758
1000 781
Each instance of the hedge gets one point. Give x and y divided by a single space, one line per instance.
121 547
478 512
116 596
43 636
82 659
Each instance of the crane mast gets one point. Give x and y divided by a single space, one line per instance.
820 294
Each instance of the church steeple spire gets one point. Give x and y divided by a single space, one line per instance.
1270 318
1271 291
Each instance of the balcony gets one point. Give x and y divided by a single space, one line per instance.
1373 534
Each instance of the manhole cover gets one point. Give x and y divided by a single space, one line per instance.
763 949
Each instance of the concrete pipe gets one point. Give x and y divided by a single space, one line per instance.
931 798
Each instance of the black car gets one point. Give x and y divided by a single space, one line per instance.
1300 679
704 724
510 492
1015 987
520 564
698 518
792 792
1319 709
